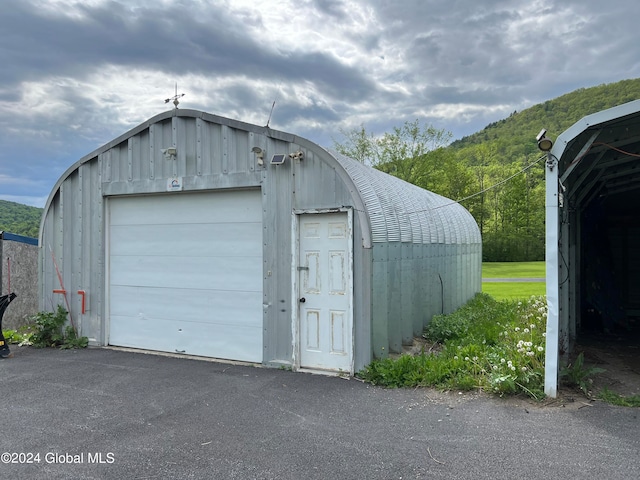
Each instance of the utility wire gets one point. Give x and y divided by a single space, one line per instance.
454 202
502 182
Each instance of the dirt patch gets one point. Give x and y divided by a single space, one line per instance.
618 355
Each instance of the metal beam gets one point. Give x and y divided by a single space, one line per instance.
583 151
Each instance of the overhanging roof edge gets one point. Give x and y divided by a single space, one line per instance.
593 121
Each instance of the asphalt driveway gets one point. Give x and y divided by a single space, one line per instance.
106 414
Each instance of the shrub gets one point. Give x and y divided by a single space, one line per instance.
50 332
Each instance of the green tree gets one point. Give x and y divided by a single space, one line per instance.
19 219
510 215
396 152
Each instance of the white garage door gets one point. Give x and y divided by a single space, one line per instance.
185 274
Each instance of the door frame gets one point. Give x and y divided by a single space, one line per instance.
295 286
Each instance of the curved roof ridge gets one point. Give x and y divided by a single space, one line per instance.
402 212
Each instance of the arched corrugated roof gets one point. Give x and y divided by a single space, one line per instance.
402 212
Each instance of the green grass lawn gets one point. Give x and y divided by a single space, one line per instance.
513 270
513 290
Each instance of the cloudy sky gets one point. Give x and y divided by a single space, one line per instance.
77 73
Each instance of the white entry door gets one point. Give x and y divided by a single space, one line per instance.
325 292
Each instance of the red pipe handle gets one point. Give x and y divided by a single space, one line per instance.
82 294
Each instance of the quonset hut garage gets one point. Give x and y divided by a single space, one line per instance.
206 236
593 226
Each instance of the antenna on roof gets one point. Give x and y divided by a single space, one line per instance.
273 105
270 113
175 97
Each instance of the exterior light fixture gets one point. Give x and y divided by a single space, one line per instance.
297 155
544 143
169 153
259 155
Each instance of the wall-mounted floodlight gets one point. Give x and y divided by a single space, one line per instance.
278 159
259 155
544 143
297 155
169 153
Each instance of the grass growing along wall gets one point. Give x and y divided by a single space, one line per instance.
487 344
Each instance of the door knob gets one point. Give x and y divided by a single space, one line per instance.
302 300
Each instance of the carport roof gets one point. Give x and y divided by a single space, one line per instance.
599 154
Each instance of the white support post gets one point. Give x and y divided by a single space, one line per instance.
551 257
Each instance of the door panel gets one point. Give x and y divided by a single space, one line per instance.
325 290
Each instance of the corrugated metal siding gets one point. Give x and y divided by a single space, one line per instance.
410 284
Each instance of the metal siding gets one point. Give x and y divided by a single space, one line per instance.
406 294
362 313
394 294
269 272
277 186
379 301
75 254
418 310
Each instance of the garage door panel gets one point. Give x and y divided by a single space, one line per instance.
215 240
196 306
185 273
231 342
223 273
226 341
178 209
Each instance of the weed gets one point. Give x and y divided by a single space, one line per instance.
608 396
71 339
577 375
486 344
21 336
11 336
50 332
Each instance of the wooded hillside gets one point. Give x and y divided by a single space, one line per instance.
512 216
19 219
496 173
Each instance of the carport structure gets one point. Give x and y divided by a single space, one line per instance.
592 231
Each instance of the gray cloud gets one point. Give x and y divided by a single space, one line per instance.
79 75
